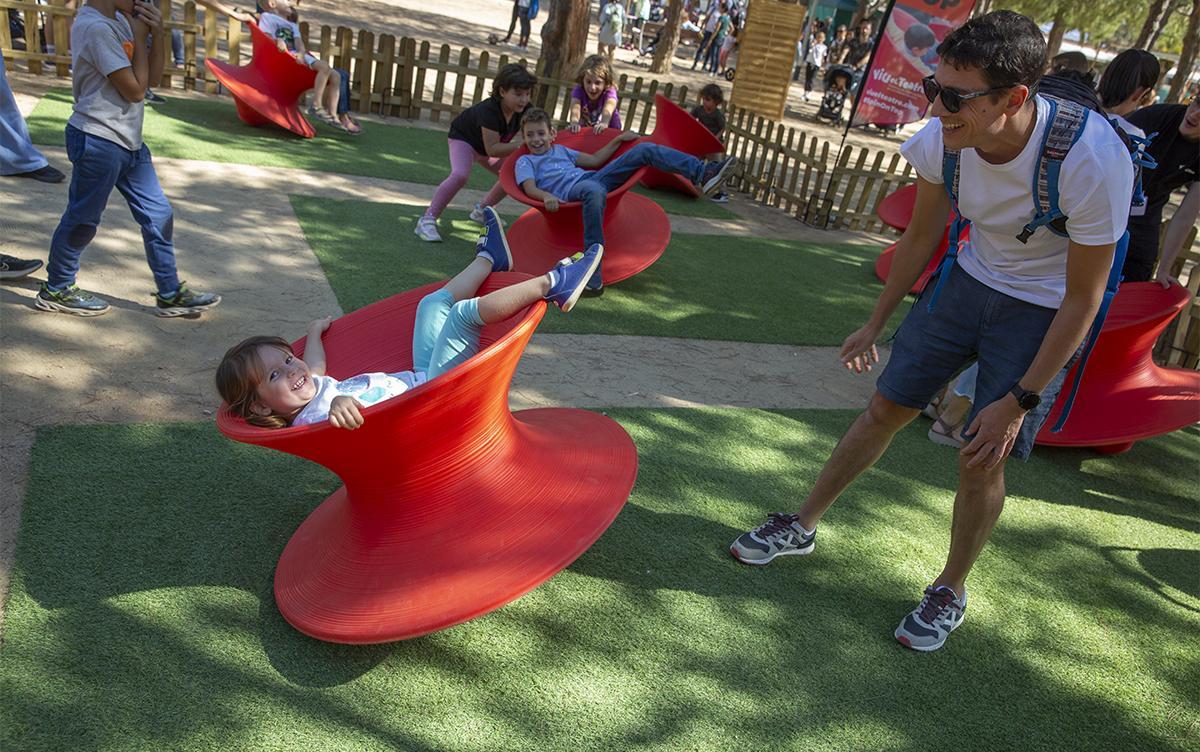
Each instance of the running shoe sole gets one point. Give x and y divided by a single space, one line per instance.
804 551
173 311
903 640
50 305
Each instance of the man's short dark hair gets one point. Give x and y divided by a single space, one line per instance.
513 76
535 115
1006 47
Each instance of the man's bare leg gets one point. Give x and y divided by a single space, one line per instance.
977 506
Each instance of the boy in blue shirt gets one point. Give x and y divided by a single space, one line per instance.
553 173
113 66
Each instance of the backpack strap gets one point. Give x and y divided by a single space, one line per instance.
950 174
1110 291
1141 161
1067 120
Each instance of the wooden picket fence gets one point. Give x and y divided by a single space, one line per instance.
799 172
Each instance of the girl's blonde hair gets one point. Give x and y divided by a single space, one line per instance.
598 66
238 377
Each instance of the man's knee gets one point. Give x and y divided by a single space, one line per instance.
979 481
882 411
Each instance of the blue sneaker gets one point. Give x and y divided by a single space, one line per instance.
70 300
492 242
715 174
780 535
569 276
929 624
595 285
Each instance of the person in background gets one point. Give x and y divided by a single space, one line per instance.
711 115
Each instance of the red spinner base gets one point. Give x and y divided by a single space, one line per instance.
1124 395
268 89
452 504
636 230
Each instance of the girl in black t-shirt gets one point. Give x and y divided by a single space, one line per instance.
485 133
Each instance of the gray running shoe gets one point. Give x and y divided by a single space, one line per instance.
929 624
185 303
780 535
70 300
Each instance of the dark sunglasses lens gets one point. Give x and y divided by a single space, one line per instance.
931 88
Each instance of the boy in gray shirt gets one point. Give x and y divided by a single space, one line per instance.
113 66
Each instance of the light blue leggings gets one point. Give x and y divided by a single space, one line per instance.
445 333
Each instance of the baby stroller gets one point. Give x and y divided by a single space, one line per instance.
839 80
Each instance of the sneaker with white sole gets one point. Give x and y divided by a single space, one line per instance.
12 267
427 230
715 174
569 276
70 300
492 243
185 302
929 624
477 214
780 535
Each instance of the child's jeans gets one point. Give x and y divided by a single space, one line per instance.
101 165
592 189
445 333
343 105
17 154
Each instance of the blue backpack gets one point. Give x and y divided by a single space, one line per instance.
1067 120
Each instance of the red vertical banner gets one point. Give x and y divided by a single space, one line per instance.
906 53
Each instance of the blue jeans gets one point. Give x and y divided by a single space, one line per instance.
100 166
700 49
344 99
970 320
17 154
593 187
445 333
713 58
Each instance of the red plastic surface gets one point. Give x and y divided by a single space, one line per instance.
636 230
268 88
1124 395
675 127
883 264
452 505
896 208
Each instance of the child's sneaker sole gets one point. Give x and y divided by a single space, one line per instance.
50 305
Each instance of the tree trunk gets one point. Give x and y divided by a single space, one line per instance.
1155 19
564 37
1055 37
864 7
1187 57
664 53
1172 6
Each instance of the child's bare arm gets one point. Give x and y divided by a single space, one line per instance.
602 155
497 148
345 412
576 112
606 115
223 8
314 351
532 191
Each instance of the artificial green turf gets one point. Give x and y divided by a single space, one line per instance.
142 618
208 129
704 286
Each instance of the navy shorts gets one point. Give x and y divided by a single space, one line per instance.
970 321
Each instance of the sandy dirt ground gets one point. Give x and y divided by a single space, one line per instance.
131 366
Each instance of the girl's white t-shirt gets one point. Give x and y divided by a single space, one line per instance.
1095 188
367 388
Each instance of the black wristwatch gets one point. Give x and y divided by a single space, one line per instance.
1026 399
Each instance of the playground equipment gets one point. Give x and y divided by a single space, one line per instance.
636 230
452 505
896 210
1124 395
676 128
268 89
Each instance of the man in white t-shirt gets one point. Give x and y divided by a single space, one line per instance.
1021 309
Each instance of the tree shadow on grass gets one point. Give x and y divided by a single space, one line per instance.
143 616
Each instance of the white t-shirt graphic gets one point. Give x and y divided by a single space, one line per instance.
1094 188
367 388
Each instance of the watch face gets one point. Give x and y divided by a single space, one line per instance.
1029 400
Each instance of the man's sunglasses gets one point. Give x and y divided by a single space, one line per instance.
953 100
